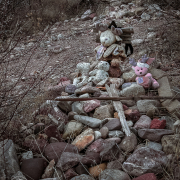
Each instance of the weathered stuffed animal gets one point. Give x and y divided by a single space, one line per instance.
108 39
83 74
100 75
141 68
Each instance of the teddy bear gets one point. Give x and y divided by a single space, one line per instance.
141 67
83 73
109 48
99 75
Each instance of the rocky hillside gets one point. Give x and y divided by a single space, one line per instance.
68 112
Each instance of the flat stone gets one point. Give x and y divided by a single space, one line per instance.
153 134
115 133
145 105
72 129
92 122
133 90
113 174
170 105
91 159
103 112
128 143
144 160
129 76
157 73
86 89
96 170
33 165
68 160
9 164
144 122
91 105
82 169
164 87
54 150
158 124
170 144
84 139
154 145
128 103
113 124
83 177
148 176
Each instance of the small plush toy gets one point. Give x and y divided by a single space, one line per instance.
109 48
100 75
83 73
141 68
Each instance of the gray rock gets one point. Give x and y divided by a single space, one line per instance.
145 105
97 135
128 143
103 112
145 160
153 134
78 107
70 89
113 174
83 177
72 129
129 123
92 122
9 164
128 103
27 155
68 160
115 134
86 89
128 84
133 90
144 122
104 132
164 87
64 105
129 76
113 124
18 176
157 73
154 145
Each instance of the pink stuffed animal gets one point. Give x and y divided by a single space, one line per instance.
141 68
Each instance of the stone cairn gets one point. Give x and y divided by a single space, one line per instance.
97 127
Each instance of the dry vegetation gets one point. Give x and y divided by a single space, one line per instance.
22 85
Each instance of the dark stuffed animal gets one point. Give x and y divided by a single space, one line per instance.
127 45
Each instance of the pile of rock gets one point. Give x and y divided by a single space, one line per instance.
85 139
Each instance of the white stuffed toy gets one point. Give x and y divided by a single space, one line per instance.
83 74
100 75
